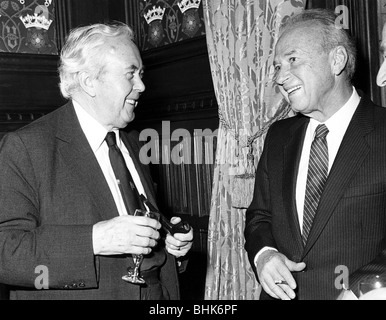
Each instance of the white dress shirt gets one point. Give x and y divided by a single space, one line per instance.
337 126
96 134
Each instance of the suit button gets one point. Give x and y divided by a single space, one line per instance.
82 284
66 286
74 285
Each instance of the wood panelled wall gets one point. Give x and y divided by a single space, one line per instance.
28 89
180 96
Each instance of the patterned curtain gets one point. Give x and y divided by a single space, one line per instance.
241 36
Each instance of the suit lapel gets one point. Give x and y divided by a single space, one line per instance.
291 159
351 154
132 144
78 155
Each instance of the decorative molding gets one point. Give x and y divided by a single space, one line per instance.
19 118
11 120
28 63
192 108
176 52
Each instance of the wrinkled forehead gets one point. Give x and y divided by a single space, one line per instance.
303 37
118 45
125 49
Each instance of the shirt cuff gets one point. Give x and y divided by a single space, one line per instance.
261 251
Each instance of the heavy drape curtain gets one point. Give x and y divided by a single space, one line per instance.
241 35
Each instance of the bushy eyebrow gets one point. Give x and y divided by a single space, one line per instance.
133 67
290 53
287 54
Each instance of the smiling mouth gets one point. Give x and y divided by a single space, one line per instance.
292 90
132 102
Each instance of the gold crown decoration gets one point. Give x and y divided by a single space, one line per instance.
154 14
36 21
189 4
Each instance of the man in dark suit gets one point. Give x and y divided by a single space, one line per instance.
317 222
65 230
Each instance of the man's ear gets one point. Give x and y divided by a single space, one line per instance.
339 59
87 83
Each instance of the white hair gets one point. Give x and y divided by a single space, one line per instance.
83 51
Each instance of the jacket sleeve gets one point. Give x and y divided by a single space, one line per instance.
257 230
31 245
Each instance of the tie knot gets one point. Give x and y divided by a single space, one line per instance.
111 139
321 131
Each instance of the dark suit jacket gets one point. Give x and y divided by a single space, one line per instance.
349 228
52 192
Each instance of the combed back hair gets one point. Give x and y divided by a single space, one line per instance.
332 36
84 51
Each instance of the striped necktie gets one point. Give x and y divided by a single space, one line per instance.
316 178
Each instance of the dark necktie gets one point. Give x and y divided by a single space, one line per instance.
125 181
131 198
316 178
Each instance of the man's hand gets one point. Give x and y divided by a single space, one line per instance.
272 267
179 244
125 235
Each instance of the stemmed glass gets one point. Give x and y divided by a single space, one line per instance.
133 274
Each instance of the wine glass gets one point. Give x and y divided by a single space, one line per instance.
369 284
133 274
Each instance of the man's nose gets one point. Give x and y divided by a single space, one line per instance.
282 75
139 85
381 77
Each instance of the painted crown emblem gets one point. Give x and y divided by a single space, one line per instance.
189 4
154 14
36 21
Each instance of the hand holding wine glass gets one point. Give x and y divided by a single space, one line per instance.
133 275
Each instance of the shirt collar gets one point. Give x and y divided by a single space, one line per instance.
94 131
341 119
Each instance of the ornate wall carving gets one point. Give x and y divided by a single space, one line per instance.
27 26
168 21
